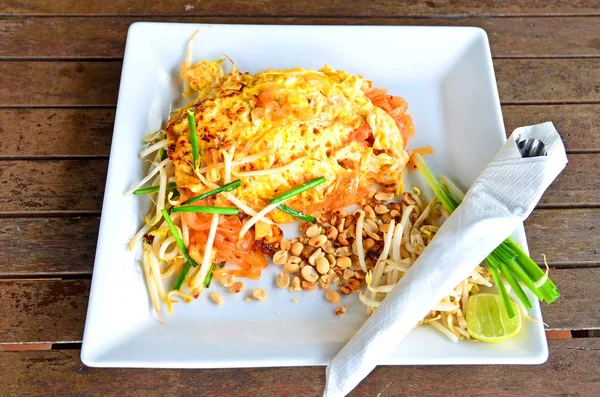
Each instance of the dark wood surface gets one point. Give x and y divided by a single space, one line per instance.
60 65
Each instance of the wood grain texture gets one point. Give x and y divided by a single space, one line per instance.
306 8
572 371
59 83
548 80
578 125
577 186
52 185
97 83
578 306
44 311
53 311
78 184
104 38
56 132
568 238
34 247
47 247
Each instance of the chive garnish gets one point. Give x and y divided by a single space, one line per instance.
297 214
225 188
508 259
193 137
190 262
207 209
297 190
154 189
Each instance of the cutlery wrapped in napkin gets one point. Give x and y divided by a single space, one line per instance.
501 197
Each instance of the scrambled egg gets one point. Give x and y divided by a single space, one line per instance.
281 128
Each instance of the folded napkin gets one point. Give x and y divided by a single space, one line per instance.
501 197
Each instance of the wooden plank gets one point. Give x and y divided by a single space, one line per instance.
47 246
579 125
33 247
78 184
43 311
572 370
56 132
512 37
548 80
363 8
96 83
22 129
567 237
59 83
53 311
577 186
52 185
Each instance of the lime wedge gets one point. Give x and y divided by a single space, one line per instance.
488 321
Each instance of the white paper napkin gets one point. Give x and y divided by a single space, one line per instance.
501 197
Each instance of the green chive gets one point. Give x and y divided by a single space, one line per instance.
225 188
508 258
210 273
193 136
297 214
512 281
181 277
297 190
178 239
154 189
207 209
501 288
209 276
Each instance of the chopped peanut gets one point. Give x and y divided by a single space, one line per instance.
332 296
260 294
283 280
217 298
236 287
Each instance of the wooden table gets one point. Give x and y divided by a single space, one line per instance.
60 63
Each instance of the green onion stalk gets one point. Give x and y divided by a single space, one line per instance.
189 260
507 260
294 192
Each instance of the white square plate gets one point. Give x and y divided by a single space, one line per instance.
445 74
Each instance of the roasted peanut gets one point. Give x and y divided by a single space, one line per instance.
332 296
332 232
317 241
314 231
339 311
236 287
292 268
384 196
280 257
353 284
312 259
227 279
308 286
296 248
369 212
285 245
322 265
305 227
260 294
296 284
381 209
309 274
343 262
283 280
348 273
217 298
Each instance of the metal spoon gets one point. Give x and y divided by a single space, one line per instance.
532 147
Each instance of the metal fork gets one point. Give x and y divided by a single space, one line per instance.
532 147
